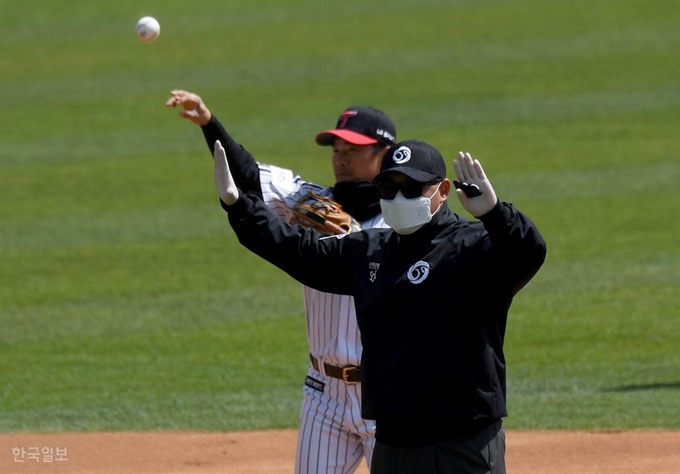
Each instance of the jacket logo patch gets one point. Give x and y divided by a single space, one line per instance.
418 272
373 271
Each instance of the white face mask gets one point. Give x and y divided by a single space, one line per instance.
405 216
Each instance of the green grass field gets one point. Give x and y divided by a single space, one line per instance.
126 302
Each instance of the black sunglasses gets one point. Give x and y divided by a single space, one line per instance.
410 189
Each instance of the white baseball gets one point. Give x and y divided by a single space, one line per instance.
148 29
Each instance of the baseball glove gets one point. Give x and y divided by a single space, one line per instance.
322 214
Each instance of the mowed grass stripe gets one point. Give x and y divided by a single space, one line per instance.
184 310
157 223
650 44
121 270
103 144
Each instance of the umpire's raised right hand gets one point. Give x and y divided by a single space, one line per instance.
224 181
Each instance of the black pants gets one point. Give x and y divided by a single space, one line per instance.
478 453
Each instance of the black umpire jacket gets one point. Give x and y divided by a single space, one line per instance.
432 309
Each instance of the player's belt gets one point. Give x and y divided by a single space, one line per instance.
350 374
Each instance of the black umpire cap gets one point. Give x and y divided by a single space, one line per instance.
416 159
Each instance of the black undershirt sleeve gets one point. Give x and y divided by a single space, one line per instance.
242 164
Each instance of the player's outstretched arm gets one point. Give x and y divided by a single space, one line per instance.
192 105
245 170
472 186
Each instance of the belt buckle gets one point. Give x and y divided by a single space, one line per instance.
345 375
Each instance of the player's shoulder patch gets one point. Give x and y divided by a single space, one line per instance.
281 178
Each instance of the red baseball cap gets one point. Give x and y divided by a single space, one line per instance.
361 125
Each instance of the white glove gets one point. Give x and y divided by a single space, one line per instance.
472 186
224 181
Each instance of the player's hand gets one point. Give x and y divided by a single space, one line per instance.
194 108
224 181
472 186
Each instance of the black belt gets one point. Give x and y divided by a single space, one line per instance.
350 374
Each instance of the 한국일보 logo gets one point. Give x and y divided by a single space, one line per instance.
418 272
401 155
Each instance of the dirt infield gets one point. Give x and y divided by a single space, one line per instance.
551 452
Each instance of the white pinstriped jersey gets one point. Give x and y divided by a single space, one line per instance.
332 329
333 438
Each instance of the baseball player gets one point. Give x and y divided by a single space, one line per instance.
332 438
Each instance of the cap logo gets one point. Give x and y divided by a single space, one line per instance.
344 117
418 272
384 133
401 155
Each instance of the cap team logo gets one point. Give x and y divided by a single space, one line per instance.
418 272
401 155
344 117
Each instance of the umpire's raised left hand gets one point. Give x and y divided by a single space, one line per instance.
472 186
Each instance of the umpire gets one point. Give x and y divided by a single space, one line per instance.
432 296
